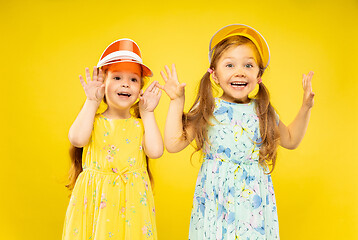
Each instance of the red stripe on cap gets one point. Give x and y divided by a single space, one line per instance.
121 45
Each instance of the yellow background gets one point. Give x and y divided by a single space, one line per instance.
45 45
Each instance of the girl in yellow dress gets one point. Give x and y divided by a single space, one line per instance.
112 196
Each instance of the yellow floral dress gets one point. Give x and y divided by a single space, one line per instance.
112 198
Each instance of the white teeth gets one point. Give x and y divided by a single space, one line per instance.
239 84
124 94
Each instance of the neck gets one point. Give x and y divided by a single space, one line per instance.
244 100
113 113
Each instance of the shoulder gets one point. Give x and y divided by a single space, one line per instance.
99 116
99 119
136 121
272 110
277 117
218 103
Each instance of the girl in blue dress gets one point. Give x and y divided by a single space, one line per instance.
238 136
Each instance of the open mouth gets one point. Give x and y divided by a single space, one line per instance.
124 94
239 84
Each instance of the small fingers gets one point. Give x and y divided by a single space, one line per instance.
94 74
174 71
140 96
310 75
100 75
151 87
83 83
168 71
160 86
309 80
101 91
306 81
88 75
182 85
156 90
164 76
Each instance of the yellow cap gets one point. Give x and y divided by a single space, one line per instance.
242 30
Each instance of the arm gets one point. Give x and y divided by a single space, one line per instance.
81 129
173 134
152 139
292 135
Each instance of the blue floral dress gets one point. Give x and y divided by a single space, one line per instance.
234 198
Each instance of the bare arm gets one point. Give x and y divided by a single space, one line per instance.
173 134
152 139
292 135
81 129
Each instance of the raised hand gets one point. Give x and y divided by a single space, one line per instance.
308 95
172 87
94 88
149 100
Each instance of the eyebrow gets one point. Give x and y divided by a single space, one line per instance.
244 58
119 72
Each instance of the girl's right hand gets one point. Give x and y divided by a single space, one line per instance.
308 94
94 88
172 87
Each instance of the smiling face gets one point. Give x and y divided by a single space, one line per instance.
237 72
122 86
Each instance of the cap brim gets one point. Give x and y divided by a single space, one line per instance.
146 70
246 31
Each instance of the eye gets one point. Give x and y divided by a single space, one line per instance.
117 78
229 65
248 65
134 80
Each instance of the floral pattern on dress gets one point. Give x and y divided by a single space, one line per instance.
112 197
111 152
147 230
234 196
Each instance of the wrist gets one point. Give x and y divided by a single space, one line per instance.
145 114
180 99
93 102
306 108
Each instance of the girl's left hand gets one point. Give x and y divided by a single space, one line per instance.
307 88
150 99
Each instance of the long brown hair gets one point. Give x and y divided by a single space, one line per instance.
76 153
201 112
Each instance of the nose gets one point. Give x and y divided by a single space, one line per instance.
240 72
125 83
